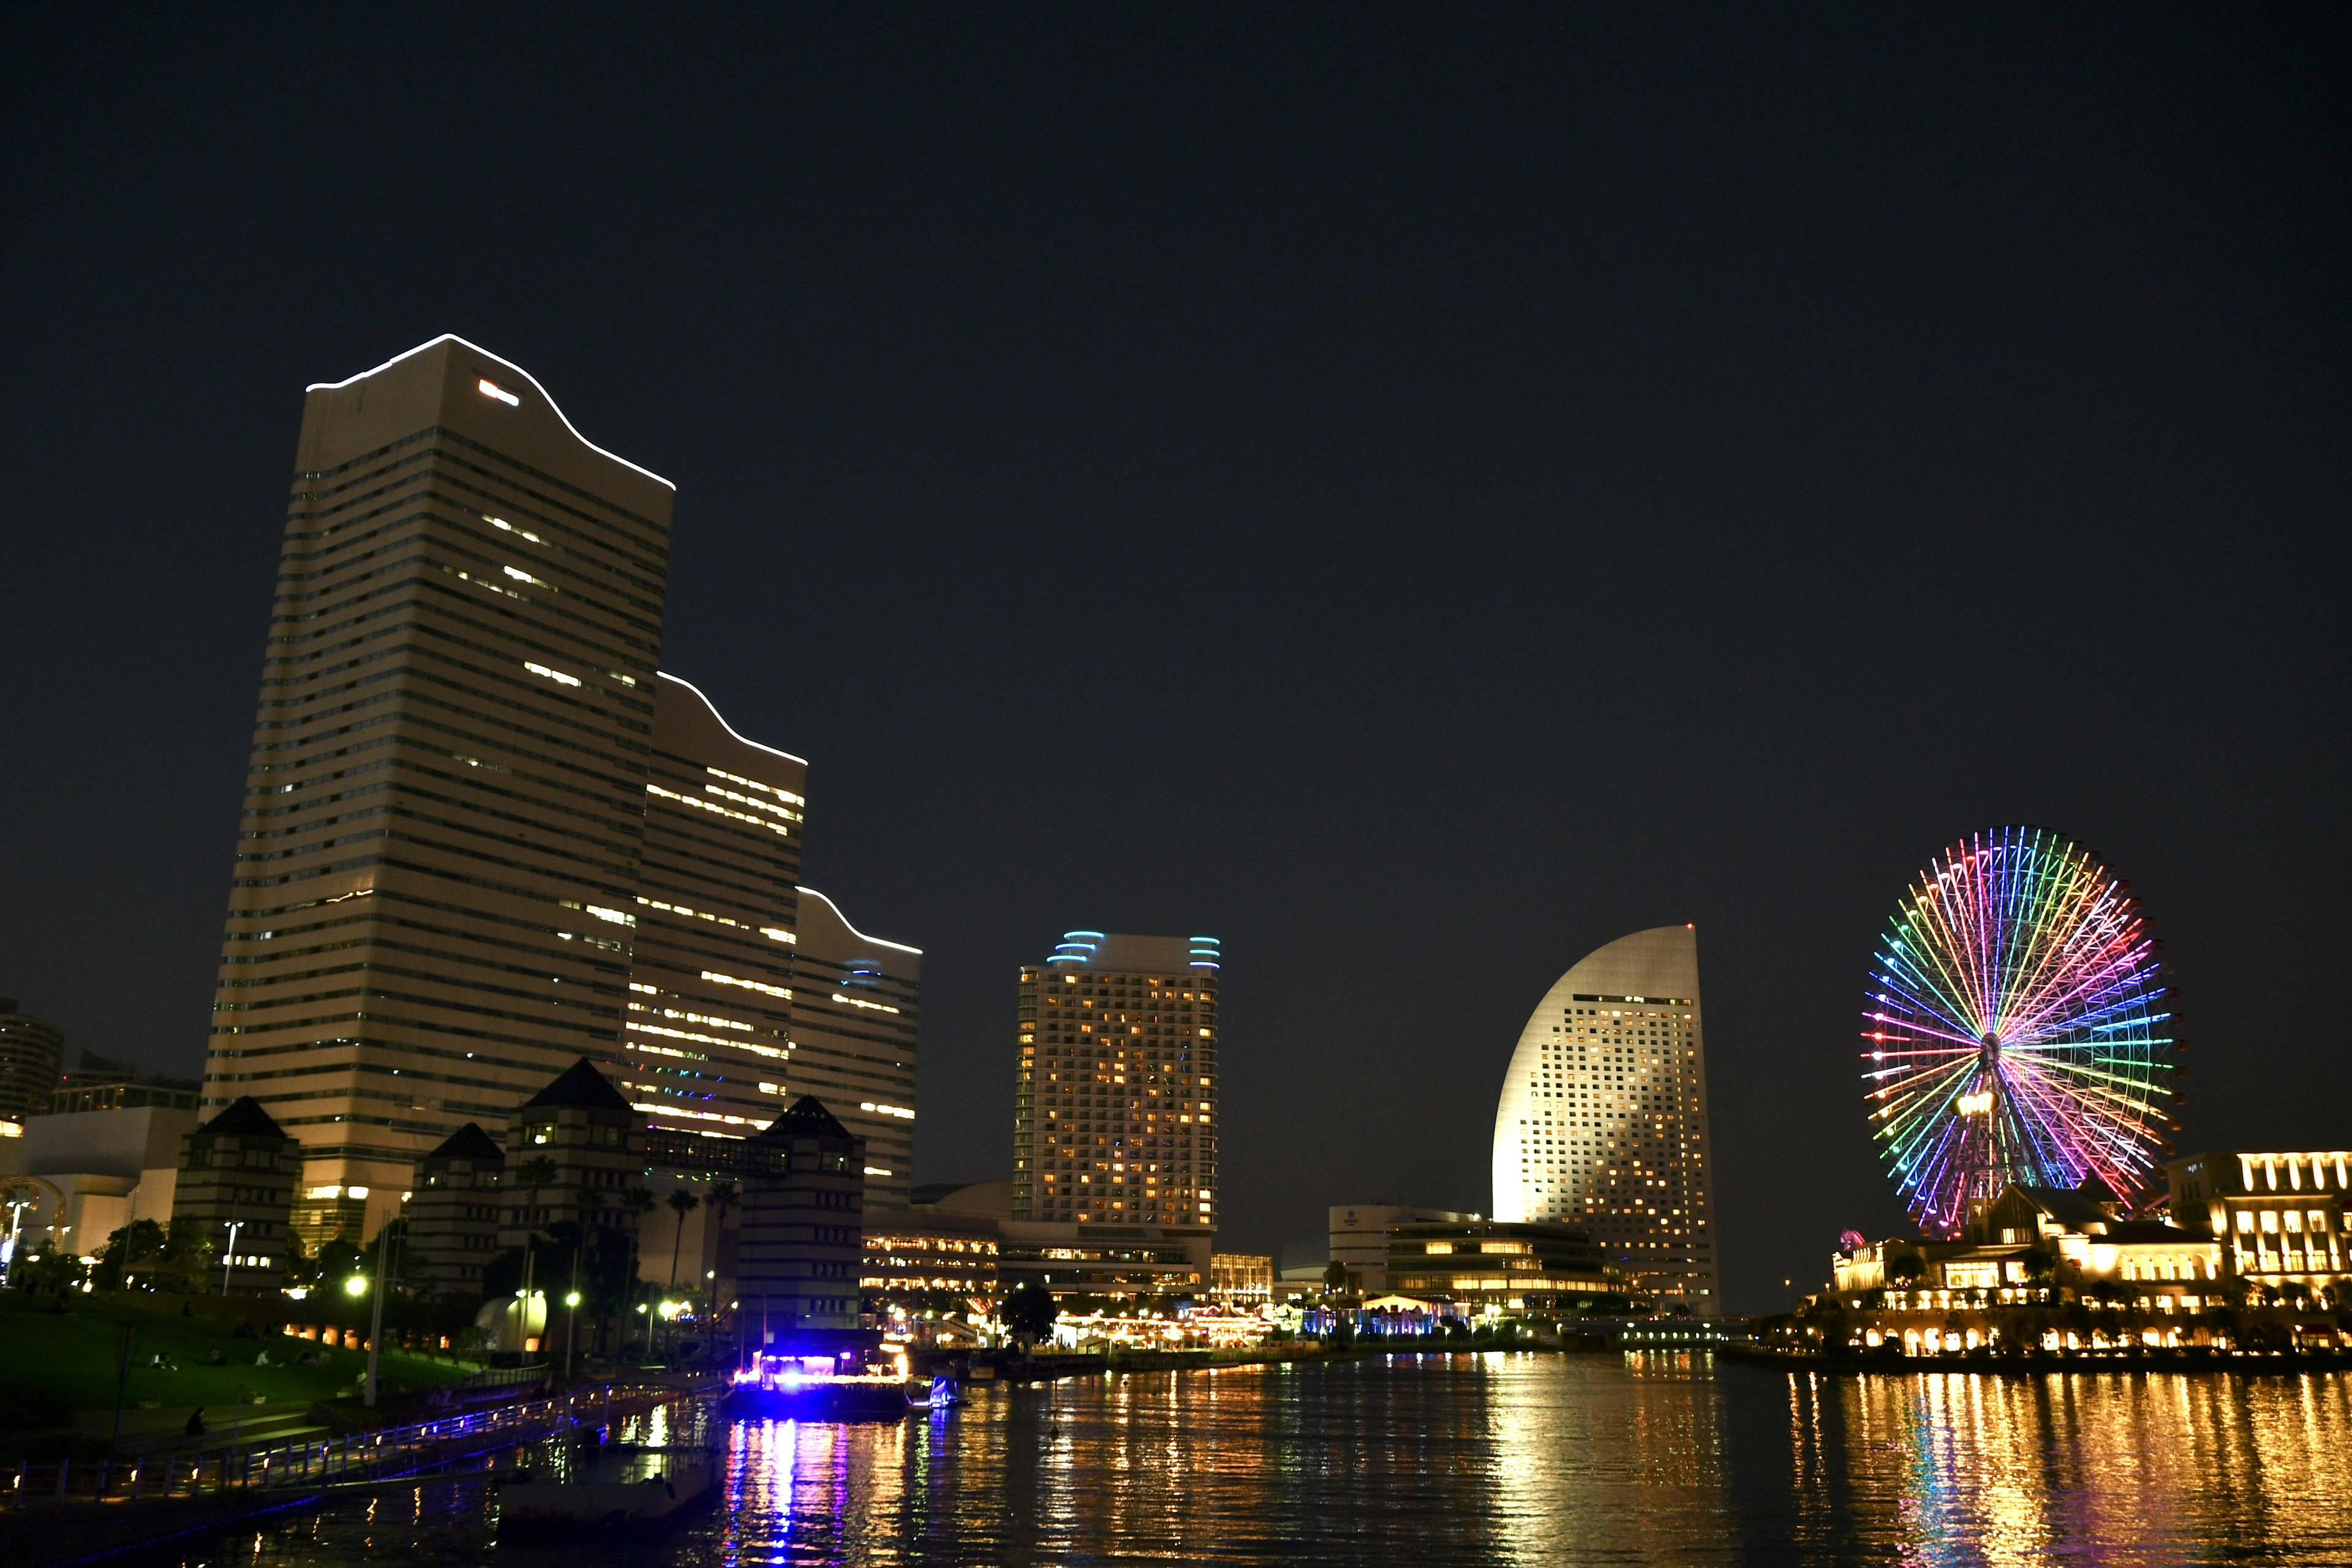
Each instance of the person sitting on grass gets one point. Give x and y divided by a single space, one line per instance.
195 1427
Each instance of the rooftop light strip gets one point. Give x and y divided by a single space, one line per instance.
454 337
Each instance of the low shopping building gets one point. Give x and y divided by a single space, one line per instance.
2278 1220
1488 1268
2032 1241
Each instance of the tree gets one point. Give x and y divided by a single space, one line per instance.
1335 1276
637 1202
1028 1314
1906 1269
122 1258
681 1203
725 1196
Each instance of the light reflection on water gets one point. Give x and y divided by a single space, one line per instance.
1565 1460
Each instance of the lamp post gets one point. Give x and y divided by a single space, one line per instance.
229 1267
375 1325
571 1307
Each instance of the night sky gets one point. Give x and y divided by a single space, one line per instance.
1414 494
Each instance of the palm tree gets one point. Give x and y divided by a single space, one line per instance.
724 1197
637 1202
681 1203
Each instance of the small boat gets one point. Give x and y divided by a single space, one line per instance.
941 1394
815 1388
622 1489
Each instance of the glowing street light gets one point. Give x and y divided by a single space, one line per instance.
356 1285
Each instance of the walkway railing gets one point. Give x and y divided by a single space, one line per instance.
422 1449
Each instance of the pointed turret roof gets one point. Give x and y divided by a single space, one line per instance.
580 1084
469 1142
243 1119
808 1118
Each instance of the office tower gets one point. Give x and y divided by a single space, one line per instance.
437 867
708 1039
857 1001
453 1214
1115 1106
238 1175
1602 1120
801 1244
31 1052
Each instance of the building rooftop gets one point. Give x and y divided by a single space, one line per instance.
243 1119
469 1142
808 1118
579 1085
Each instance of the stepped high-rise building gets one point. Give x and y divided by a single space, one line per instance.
1602 1121
1115 1106
483 836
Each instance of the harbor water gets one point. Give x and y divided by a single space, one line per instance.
1489 1459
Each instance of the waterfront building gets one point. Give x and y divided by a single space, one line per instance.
31 1053
1487 1267
1359 1239
236 1181
1603 1122
436 870
928 1257
1090 1264
1240 1279
572 1152
1115 1095
801 1243
453 1214
2280 1218
2033 1238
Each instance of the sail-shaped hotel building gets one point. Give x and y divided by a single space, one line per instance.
1602 1121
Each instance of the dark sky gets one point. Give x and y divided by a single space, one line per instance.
1414 494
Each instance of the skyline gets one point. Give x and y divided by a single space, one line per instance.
1471 588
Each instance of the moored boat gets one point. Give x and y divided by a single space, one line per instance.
622 1488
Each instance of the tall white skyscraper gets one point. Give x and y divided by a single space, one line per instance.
1602 1120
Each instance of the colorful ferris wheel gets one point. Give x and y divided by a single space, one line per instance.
2015 1031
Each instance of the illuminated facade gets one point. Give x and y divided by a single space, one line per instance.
921 1255
1531 1268
1240 1279
1602 1120
855 1003
2279 1218
483 837
1115 1105
1359 1239
433 897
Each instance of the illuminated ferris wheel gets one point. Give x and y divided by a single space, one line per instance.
2014 1033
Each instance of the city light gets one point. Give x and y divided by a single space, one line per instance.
356 1285
572 1300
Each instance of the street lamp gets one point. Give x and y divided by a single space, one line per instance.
355 1285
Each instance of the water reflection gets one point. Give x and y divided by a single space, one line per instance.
1477 1459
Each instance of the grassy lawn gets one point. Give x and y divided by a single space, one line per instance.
74 1355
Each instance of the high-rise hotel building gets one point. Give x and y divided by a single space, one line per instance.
1602 1120
1115 1110
483 836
